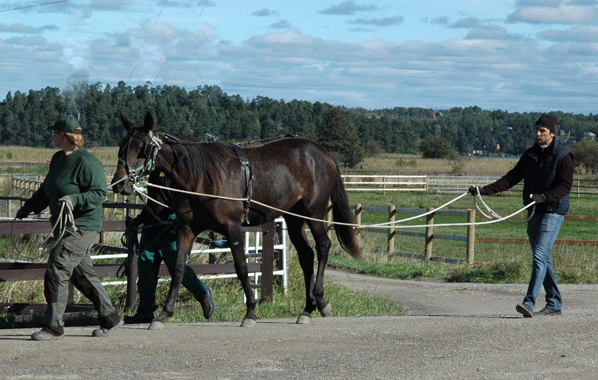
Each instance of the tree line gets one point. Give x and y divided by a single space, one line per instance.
208 113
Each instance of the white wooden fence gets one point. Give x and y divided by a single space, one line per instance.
365 182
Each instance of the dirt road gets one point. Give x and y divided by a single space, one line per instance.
452 331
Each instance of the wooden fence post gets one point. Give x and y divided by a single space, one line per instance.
392 211
470 236
429 235
268 240
358 211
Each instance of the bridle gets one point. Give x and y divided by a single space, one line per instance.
149 150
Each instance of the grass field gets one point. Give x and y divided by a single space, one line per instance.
383 163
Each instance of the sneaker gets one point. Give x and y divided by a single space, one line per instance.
524 309
142 316
103 331
45 335
547 311
207 303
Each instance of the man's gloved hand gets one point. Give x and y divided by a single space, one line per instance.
68 200
539 198
22 213
474 190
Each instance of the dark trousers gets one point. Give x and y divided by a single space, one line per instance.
70 260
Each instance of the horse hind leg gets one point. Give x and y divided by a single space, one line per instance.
305 255
323 244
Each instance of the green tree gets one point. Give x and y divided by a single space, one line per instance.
586 156
436 147
338 135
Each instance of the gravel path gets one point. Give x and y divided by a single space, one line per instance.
452 331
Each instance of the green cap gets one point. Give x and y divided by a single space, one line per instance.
68 125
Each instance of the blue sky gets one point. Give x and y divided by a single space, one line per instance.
514 55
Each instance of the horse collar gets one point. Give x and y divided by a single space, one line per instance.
246 169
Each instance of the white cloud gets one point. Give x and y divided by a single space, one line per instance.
348 8
579 34
556 15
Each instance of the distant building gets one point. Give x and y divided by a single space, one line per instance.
476 152
590 136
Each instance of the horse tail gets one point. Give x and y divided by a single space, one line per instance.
341 212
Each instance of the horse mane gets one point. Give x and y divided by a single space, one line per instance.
194 160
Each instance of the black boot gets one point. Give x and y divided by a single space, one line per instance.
207 303
142 316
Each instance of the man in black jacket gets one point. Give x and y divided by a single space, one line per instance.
547 171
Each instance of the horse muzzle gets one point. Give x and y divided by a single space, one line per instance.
122 185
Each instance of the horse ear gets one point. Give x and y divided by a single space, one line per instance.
148 122
126 123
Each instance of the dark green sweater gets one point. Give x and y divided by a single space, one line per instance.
80 175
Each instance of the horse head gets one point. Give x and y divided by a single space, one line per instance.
136 154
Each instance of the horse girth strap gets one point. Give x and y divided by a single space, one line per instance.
248 176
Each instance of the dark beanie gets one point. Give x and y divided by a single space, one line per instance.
548 121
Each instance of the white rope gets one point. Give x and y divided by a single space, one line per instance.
359 226
493 214
137 189
120 180
61 222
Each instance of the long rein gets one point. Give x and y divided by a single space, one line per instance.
495 217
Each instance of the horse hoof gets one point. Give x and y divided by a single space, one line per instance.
248 322
326 310
156 325
304 320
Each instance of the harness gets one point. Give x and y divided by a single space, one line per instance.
248 175
150 151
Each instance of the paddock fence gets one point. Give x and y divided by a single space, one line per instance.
266 251
428 236
445 184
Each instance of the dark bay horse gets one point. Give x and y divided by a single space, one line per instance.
290 174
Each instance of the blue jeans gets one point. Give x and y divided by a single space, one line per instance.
542 230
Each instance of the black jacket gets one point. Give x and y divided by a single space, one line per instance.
547 171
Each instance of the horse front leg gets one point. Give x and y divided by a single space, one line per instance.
235 237
184 243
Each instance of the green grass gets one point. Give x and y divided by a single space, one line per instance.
228 296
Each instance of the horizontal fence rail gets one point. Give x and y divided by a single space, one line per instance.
357 182
428 235
267 255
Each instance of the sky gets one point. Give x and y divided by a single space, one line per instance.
510 55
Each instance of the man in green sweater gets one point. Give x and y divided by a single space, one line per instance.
76 182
